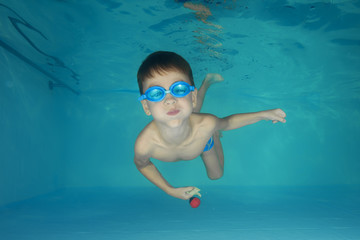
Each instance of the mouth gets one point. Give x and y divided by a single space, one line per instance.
173 112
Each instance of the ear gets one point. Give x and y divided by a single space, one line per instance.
194 97
145 107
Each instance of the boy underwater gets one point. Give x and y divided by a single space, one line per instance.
178 131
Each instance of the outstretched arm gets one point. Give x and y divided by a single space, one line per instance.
149 170
243 119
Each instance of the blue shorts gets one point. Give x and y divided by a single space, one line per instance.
209 144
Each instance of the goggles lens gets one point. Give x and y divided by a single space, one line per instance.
180 90
157 94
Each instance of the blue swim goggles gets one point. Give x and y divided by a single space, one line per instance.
157 94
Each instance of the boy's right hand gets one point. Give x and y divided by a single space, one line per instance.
184 193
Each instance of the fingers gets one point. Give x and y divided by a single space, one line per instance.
185 193
280 116
193 191
279 120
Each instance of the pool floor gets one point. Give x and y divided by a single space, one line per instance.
225 213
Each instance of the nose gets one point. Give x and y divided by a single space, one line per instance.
169 99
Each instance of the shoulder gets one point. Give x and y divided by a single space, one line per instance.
207 120
143 143
143 147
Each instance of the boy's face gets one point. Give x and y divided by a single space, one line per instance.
171 110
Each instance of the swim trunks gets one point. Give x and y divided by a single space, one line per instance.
209 144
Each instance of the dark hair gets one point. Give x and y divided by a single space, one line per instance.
160 62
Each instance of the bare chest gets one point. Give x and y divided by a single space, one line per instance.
187 151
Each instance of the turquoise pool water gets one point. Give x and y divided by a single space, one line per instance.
69 118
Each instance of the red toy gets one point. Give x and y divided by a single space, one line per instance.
194 202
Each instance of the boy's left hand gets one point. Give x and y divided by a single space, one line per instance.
276 115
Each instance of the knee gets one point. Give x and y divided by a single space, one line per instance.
215 176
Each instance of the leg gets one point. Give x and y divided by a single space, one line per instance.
210 79
214 159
